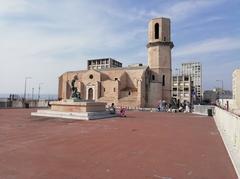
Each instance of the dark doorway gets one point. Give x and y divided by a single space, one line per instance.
90 94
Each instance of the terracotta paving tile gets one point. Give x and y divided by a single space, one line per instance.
142 145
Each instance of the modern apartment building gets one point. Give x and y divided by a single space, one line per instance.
194 70
182 86
236 87
103 63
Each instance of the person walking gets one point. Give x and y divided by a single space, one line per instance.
123 112
112 109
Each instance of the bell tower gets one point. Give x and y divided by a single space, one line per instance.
159 60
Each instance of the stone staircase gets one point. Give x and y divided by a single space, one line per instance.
107 100
127 101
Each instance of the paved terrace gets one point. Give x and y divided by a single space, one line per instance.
143 145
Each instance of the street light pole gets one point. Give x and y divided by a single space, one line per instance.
39 89
221 89
178 71
32 93
178 76
25 87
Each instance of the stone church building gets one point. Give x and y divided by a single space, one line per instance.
106 80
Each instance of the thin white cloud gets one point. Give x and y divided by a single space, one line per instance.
208 46
186 8
30 47
12 6
35 35
180 10
176 10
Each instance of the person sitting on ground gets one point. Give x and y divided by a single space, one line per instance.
112 109
164 106
181 109
123 112
160 106
49 105
187 108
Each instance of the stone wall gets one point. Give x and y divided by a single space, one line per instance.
110 85
20 104
229 127
202 109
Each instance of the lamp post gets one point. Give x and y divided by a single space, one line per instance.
32 93
39 89
221 89
25 87
177 71
178 85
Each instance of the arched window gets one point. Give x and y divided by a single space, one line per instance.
156 31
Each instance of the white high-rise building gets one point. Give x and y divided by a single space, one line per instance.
194 70
236 87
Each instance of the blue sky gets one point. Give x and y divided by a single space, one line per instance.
46 38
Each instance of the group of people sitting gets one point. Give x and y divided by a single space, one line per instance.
173 106
122 110
162 106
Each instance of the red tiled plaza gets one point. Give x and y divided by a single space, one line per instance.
142 145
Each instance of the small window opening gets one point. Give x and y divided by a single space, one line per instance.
163 80
153 77
91 76
156 31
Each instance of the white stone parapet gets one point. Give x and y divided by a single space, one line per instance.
202 109
229 127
